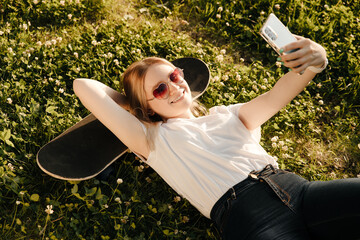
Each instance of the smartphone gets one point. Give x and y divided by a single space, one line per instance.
276 34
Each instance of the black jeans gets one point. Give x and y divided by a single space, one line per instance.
275 204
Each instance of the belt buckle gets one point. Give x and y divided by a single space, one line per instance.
253 176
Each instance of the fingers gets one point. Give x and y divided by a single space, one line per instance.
301 43
299 54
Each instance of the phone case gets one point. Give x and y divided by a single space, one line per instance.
275 33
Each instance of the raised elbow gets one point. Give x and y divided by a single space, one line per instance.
78 84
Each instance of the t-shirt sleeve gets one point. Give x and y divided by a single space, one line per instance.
256 133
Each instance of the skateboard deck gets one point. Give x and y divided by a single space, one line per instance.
87 148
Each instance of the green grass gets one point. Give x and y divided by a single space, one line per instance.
317 135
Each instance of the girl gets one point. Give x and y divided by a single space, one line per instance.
216 161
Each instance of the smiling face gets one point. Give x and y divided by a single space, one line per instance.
178 102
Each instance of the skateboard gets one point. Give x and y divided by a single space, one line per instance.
88 148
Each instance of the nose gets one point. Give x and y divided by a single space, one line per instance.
173 87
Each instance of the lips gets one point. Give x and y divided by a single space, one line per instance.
181 96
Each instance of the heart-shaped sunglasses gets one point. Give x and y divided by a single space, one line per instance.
162 90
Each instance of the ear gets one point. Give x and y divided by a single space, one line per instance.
151 112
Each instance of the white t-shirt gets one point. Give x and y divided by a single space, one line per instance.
202 158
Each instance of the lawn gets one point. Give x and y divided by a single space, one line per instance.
45 45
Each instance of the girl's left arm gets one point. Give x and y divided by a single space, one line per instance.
257 111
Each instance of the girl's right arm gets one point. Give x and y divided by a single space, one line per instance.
108 106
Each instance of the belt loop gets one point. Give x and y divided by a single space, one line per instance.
233 194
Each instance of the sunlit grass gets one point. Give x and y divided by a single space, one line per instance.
316 136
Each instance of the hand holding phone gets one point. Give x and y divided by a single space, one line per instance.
278 36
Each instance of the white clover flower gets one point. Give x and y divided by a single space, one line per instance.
184 22
277 6
223 51
103 63
220 9
35 2
262 13
94 42
48 43
359 145
242 60
284 148
142 10
116 62
18 202
12 168
104 22
321 102
227 24
119 181
128 17
238 77
106 206
263 87
69 16
62 3
61 90
218 16
185 219
220 58
216 78
9 101
118 200
177 199
39 43
225 77
274 139
281 143
1 33
76 54
49 210
140 168
112 38
278 64
57 83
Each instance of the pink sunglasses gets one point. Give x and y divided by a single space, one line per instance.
162 91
